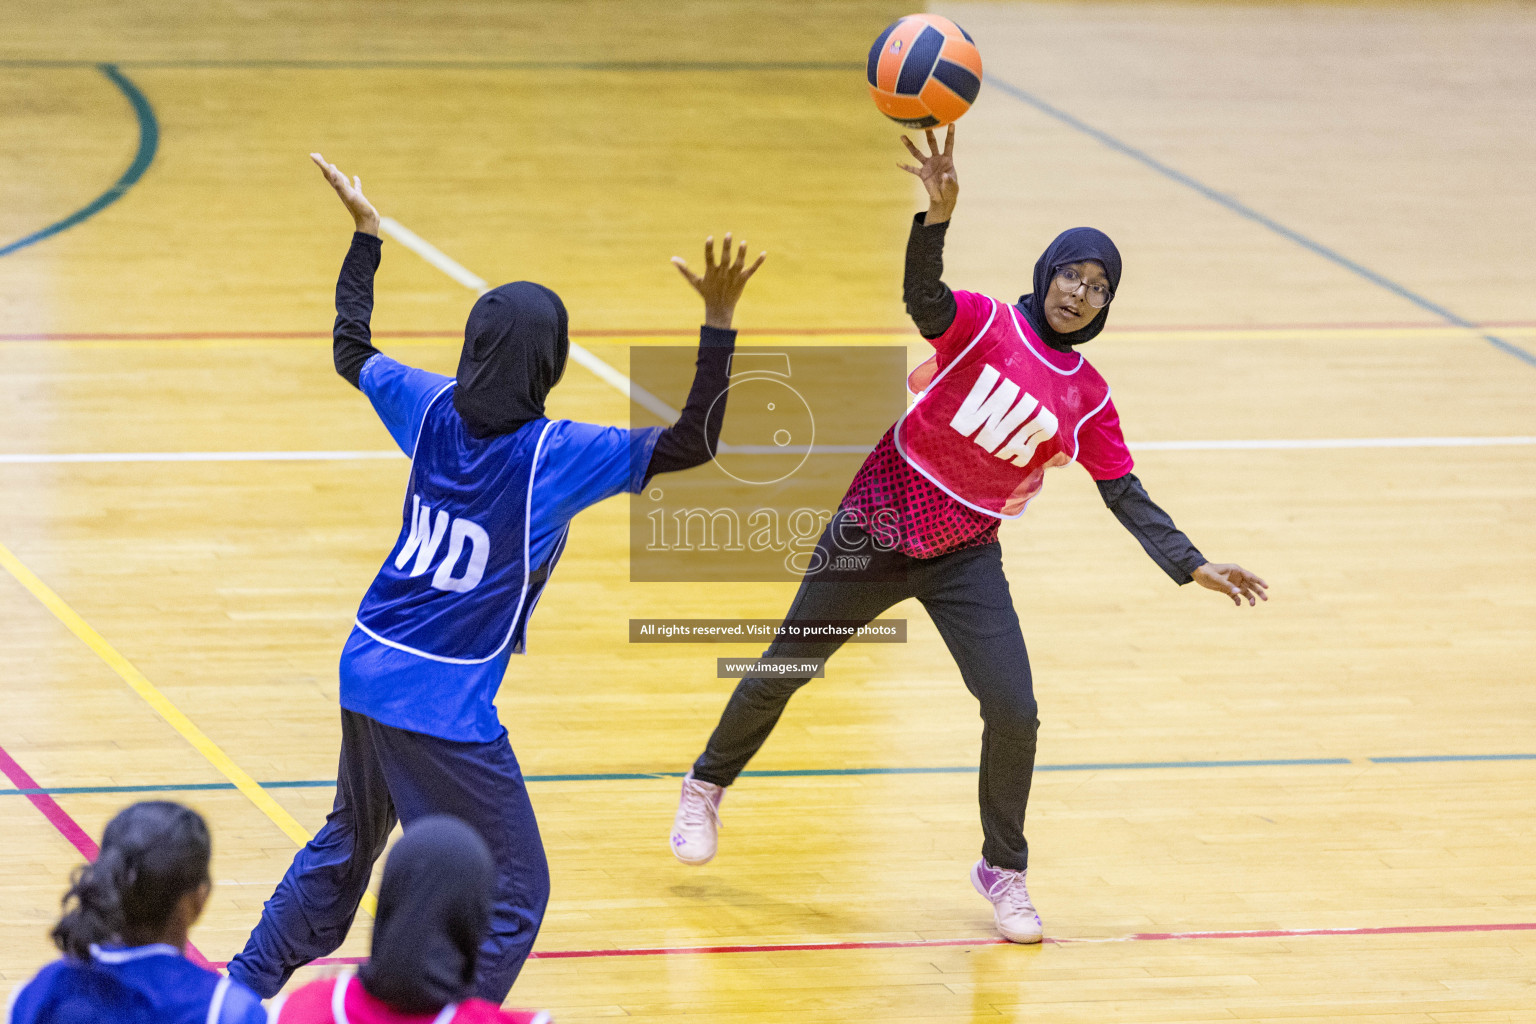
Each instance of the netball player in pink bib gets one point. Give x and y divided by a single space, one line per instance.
1005 397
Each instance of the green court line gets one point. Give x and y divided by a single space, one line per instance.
149 142
1098 766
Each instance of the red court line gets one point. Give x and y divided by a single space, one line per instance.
56 815
68 827
210 335
690 332
798 947
1285 933
453 334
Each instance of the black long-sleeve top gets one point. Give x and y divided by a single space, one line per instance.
931 305
351 335
689 442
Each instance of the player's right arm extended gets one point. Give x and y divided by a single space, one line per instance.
353 344
351 337
930 303
400 394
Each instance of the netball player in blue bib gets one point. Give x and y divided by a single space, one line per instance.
493 487
124 933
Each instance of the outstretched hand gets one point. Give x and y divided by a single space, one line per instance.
723 282
364 216
1233 580
936 170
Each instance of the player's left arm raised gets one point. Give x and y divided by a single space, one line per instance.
695 437
721 284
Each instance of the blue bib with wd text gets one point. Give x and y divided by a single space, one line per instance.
458 587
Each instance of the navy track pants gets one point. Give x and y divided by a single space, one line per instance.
389 774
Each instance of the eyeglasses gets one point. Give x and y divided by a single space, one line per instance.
1069 281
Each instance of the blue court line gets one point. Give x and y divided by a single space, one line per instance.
1454 757
259 64
1104 766
149 142
1243 210
1192 764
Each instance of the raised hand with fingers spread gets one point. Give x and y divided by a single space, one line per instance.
936 170
437 630
722 283
925 509
364 216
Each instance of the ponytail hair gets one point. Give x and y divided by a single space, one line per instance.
152 854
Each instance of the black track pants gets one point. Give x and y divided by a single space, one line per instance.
966 596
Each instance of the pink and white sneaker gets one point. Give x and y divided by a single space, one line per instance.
1016 917
696 829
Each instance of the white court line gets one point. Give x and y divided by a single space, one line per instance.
305 456
442 261
796 449
427 251
432 254
667 414
1299 444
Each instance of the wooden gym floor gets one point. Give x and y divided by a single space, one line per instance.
1326 214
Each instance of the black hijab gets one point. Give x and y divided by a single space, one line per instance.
1071 246
515 344
434 907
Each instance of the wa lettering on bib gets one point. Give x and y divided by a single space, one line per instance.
457 587
987 426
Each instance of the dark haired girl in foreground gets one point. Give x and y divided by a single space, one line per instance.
1004 398
434 905
124 933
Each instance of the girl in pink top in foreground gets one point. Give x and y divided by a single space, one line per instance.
1005 398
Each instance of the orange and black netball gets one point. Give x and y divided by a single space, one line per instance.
924 71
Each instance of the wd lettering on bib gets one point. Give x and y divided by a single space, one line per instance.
987 424
426 537
458 587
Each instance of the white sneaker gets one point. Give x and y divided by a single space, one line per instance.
695 830
1016 917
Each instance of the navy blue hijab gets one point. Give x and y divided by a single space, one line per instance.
515 345
1071 246
434 908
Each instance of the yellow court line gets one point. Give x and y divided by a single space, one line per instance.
173 715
